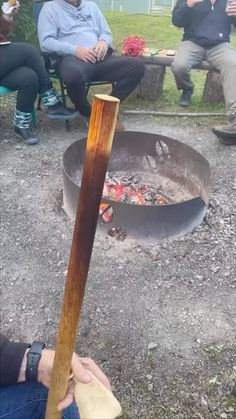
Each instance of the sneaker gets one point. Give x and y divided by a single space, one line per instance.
226 134
185 99
61 112
26 135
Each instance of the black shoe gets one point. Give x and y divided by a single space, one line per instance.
26 135
59 111
185 99
226 134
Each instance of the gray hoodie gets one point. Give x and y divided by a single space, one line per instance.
63 27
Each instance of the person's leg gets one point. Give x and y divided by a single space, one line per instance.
25 81
188 54
75 73
223 58
123 72
28 401
22 54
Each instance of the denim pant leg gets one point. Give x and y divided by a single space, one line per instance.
28 401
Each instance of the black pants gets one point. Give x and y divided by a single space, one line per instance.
124 72
22 69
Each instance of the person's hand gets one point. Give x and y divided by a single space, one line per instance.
101 49
231 8
191 3
10 8
80 368
86 54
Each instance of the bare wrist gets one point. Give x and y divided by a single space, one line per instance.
6 17
22 372
190 3
45 365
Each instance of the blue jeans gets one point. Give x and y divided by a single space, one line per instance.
28 401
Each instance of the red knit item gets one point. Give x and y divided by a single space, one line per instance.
133 45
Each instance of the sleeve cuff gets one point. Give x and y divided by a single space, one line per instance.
10 362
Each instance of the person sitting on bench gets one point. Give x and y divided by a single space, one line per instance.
77 31
207 26
25 375
22 69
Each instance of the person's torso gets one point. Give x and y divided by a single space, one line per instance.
208 23
77 25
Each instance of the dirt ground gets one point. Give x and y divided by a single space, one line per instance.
160 318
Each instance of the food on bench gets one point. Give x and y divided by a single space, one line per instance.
170 52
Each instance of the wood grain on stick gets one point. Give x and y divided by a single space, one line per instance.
99 143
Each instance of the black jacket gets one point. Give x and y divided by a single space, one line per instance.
11 355
202 25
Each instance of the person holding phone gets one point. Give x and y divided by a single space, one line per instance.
207 26
22 69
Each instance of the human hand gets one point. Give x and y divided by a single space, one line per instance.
86 54
231 8
10 8
101 49
191 3
80 368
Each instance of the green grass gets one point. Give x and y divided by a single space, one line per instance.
159 33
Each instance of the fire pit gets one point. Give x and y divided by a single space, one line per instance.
156 187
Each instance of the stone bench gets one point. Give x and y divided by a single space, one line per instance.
151 85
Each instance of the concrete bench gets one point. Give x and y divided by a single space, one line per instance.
151 86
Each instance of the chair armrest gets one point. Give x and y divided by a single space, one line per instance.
51 61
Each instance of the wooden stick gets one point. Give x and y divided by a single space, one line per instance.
99 142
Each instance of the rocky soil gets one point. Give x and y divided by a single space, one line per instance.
160 318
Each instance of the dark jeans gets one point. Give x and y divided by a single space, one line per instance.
28 401
22 69
124 72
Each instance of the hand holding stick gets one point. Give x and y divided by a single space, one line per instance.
99 143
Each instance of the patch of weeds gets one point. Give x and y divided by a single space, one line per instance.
215 352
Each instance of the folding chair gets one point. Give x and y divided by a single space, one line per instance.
51 62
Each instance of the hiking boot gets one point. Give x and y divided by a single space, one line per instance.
61 112
185 99
26 135
226 133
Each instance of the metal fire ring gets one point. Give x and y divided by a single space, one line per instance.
151 154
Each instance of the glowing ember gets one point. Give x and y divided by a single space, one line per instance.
129 189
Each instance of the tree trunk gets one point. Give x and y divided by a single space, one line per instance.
151 85
213 90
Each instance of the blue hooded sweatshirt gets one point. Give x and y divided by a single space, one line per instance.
62 27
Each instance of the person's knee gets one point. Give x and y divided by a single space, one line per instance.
180 67
28 50
139 67
136 66
30 79
230 63
72 76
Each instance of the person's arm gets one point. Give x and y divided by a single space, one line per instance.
11 358
181 12
47 34
231 11
5 25
104 29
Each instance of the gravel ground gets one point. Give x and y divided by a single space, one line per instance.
158 317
